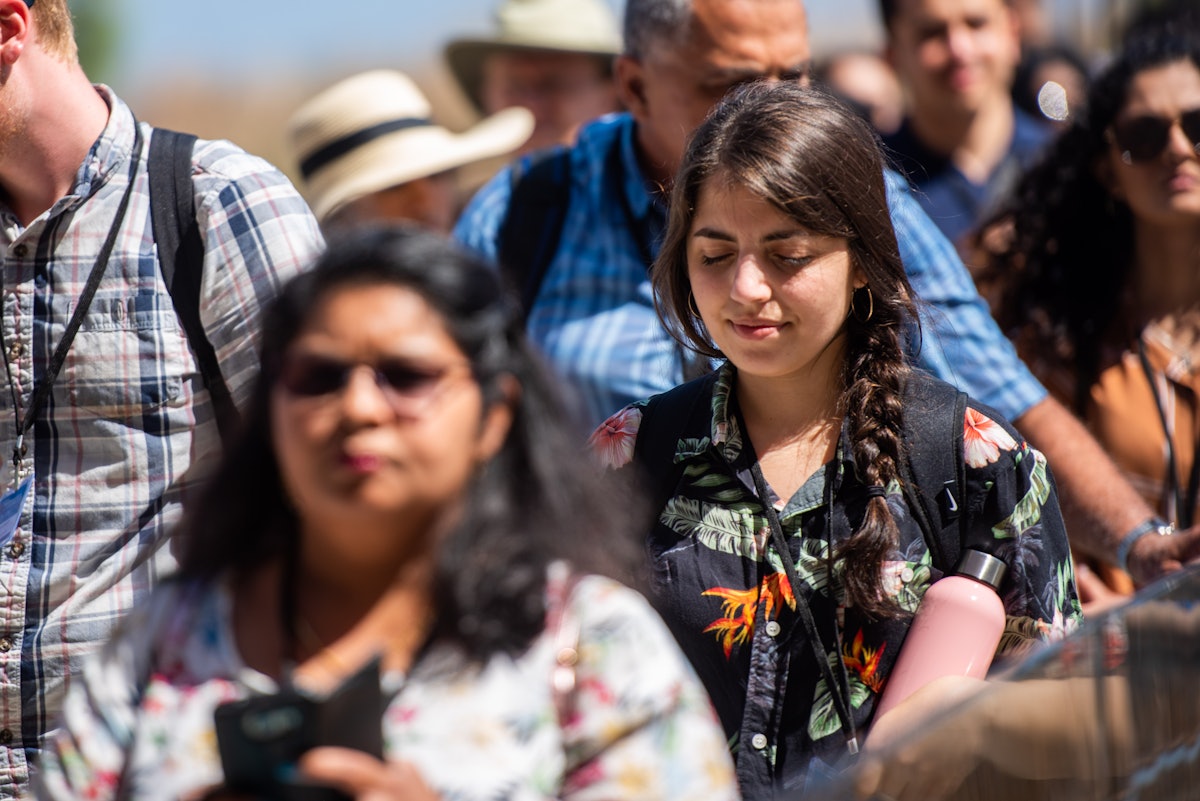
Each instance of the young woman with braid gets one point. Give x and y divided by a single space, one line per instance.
785 556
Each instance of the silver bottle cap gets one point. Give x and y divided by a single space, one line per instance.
982 567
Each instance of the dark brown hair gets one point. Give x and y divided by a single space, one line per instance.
812 157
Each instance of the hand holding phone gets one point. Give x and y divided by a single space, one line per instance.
260 739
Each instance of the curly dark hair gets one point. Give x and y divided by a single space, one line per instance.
1063 267
816 160
538 500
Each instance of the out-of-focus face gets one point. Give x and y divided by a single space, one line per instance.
953 55
869 81
378 426
677 82
431 201
1161 185
562 90
773 295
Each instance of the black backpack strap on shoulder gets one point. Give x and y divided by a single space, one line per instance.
933 469
667 418
537 209
181 257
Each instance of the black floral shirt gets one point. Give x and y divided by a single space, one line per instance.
721 586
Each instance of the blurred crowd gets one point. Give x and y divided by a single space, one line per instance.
624 471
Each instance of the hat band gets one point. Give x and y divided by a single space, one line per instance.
340 147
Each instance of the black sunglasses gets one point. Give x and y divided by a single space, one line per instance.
1143 138
406 386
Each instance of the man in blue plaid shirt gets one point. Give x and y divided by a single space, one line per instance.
93 478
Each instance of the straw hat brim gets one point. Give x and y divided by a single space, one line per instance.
407 155
466 57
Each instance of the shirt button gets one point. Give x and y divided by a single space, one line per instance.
759 741
14 351
6 736
906 575
16 549
6 643
773 628
20 250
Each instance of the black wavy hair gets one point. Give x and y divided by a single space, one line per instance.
1063 266
538 500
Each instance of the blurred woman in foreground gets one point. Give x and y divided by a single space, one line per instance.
404 488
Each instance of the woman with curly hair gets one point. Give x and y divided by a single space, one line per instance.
1095 272
787 551
404 494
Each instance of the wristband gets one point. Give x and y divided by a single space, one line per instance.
1154 525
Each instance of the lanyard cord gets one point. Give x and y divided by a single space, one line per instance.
838 691
1184 505
41 390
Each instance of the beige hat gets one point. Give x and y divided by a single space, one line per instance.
567 26
373 131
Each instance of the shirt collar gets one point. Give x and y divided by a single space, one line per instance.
639 190
109 154
726 434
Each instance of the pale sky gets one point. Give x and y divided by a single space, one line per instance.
261 39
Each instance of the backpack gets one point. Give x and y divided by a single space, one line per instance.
529 235
932 472
181 258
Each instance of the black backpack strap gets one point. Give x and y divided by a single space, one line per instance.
181 257
667 418
528 237
933 470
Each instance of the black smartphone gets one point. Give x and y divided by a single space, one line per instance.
261 738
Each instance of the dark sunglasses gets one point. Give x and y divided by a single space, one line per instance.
1142 139
407 387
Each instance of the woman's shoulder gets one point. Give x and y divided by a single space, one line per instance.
668 416
604 610
934 409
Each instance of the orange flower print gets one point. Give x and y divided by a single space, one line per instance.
983 439
613 441
741 606
864 662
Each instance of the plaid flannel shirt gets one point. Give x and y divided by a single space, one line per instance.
128 427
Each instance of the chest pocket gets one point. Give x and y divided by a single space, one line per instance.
128 359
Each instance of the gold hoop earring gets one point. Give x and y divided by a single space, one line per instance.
692 305
870 306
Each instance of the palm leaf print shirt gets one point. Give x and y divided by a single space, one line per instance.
721 585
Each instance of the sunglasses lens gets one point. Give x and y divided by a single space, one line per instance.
311 376
1143 138
408 383
1190 122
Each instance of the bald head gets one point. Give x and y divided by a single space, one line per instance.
682 56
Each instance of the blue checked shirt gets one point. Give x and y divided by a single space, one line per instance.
128 427
594 316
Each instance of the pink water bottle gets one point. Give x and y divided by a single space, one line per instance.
955 631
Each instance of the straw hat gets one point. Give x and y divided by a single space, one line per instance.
567 26
373 131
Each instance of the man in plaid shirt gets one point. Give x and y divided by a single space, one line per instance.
128 424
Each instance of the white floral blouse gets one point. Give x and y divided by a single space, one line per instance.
636 725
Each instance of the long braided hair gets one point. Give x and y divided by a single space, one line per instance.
813 158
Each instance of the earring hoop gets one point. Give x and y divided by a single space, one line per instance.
692 305
870 306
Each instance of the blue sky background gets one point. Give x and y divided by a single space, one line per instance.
268 39
238 70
